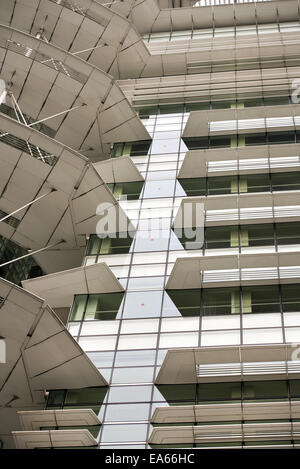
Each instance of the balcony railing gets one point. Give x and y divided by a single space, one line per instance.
27 147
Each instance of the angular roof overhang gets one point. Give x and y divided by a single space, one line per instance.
53 439
40 354
230 270
115 170
32 420
48 80
58 289
188 366
68 213
203 163
108 40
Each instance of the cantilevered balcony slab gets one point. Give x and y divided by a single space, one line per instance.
58 289
234 270
200 434
40 354
238 209
48 80
242 120
212 85
215 412
115 170
88 29
67 213
229 363
32 420
53 439
240 160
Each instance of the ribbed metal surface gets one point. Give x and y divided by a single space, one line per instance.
44 59
261 123
253 164
234 275
253 213
250 368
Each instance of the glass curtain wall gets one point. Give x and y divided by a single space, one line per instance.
129 343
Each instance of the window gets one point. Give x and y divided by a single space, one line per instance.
218 392
260 299
126 190
187 301
255 139
265 390
217 301
189 394
103 306
254 183
257 235
181 394
239 236
254 299
249 139
281 137
288 233
120 244
194 186
131 148
222 185
91 398
285 181
290 297
217 237
235 184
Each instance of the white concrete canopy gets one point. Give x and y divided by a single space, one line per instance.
58 289
251 207
183 366
215 412
37 419
53 439
241 120
230 270
48 80
120 169
211 85
67 213
40 355
240 160
226 433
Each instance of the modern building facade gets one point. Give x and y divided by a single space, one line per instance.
151 170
